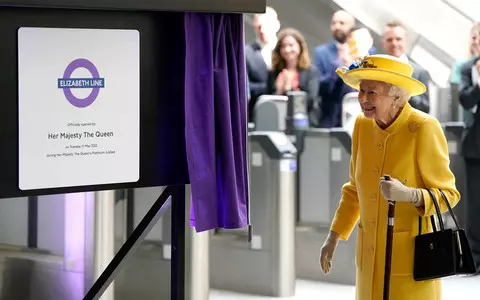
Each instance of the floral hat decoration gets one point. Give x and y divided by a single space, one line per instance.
383 68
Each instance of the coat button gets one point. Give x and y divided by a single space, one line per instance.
372 249
380 146
373 197
376 171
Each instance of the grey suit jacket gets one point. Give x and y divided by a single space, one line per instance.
421 102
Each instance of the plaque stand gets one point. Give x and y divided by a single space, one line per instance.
172 195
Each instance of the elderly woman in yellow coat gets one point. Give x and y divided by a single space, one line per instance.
390 138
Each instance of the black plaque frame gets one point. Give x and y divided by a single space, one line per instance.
222 6
149 149
174 192
157 81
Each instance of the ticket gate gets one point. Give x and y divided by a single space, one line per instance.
323 168
453 133
323 165
270 113
266 266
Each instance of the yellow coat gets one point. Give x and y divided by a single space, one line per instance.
412 149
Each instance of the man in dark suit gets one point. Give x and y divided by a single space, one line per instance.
394 42
259 55
469 99
327 58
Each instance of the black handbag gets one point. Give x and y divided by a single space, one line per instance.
443 252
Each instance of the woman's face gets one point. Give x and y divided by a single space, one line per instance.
475 42
289 49
375 101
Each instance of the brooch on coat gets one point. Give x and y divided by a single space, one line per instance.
413 126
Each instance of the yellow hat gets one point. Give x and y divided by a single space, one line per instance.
383 68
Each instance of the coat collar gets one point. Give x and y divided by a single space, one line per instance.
399 122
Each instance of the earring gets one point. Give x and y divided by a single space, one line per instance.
395 102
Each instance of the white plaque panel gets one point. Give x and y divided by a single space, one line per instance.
79 107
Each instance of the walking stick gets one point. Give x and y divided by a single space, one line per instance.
388 250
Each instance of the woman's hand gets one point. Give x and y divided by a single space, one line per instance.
327 251
284 81
288 79
280 83
394 190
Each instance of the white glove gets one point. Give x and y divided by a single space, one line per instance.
328 249
394 190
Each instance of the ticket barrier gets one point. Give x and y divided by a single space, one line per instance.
266 266
323 168
453 133
270 113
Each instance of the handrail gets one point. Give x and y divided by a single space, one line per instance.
458 10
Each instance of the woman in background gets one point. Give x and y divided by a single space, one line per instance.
293 71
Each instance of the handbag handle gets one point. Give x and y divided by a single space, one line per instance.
449 208
439 215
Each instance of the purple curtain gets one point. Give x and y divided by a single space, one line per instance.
216 120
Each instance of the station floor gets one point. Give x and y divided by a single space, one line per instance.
453 289
27 275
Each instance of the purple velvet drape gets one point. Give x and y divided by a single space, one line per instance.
216 120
